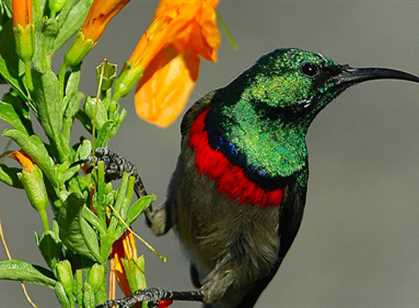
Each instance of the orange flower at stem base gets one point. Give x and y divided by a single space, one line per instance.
167 57
123 248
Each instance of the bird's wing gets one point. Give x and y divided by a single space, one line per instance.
291 215
192 112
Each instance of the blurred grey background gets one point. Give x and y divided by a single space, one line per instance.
359 242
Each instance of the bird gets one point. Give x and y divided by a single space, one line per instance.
237 195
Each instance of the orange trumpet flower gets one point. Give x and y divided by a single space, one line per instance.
24 34
22 12
100 14
167 57
123 248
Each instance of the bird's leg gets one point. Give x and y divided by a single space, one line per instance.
218 281
115 166
214 286
154 296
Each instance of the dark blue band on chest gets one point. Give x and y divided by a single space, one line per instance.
260 176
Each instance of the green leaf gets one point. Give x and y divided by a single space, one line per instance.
72 103
134 269
70 172
38 10
70 231
8 114
138 207
9 176
6 8
48 99
104 134
120 199
84 120
17 270
51 248
90 238
21 110
73 83
84 150
90 217
33 146
62 296
73 22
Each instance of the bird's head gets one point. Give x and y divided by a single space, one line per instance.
265 113
294 85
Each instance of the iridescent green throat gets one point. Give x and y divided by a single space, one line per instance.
274 147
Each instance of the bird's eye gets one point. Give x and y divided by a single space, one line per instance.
309 69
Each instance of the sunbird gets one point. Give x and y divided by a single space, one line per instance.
237 195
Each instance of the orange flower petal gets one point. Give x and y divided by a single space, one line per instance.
125 247
24 160
169 54
22 12
118 269
165 87
100 14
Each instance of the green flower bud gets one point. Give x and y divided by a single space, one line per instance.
96 276
78 50
25 42
33 183
65 276
96 111
88 296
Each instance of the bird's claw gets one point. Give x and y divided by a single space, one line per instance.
153 296
115 166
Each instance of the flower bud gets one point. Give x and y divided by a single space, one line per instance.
78 50
23 29
65 276
100 14
33 183
96 276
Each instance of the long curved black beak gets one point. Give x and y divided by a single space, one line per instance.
350 76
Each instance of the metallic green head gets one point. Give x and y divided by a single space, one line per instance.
265 113
295 84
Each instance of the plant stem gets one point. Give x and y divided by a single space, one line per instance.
44 219
28 76
61 78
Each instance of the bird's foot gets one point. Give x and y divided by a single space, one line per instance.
156 297
115 167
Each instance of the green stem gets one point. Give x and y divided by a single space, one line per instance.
229 35
61 78
44 219
28 76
